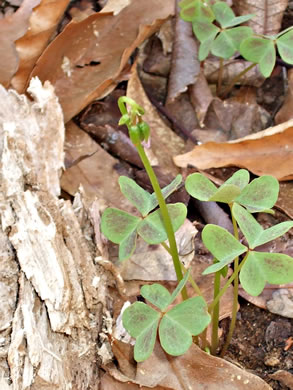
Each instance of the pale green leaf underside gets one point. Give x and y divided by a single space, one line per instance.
152 229
260 267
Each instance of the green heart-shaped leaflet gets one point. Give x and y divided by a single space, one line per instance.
260 195
195 9
228 41
260 267
205 32
152 228
141 322
253 231
120 227
159 296
140 198
201 188
222 245
260 51
226 17
183 321
285 47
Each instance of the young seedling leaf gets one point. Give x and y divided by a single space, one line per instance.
285 47
152 228
261 51
140 198
166 191
127 246
238 20
253 231
226 193
117 225
228 41
239 178
178 325
223 13
204 30
248 225
200 187
204 49
260 267
156 294
259 195
141 322
222 245
180 286
196 9
273 232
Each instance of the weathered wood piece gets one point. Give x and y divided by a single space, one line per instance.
52 292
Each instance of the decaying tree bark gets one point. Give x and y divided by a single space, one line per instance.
52 292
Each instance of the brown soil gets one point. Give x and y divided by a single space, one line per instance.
259 341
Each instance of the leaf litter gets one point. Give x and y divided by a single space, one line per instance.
85 62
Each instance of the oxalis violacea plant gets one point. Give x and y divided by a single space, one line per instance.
217 29
179 325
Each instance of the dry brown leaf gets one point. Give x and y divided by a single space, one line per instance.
92 172
286 111
194 370
85 60
201 97
285 200
268 152
185 64
268 14
12 28
164 142
42 25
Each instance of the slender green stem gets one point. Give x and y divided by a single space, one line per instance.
235 79
165 215
227 284
216 314
235 293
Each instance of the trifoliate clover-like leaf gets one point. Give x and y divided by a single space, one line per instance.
285 48
228 41
152 228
